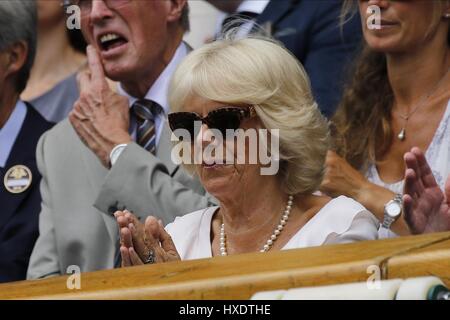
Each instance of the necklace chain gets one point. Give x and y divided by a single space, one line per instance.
402 134
274 236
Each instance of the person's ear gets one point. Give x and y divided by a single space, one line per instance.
176 10
16 57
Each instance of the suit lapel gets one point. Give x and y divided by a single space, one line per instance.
22 153
10 202
275 13
164 149
96 173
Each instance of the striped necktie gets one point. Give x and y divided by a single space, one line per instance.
146 112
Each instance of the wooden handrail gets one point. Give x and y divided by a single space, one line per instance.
240 276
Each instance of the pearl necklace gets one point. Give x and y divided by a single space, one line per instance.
273 237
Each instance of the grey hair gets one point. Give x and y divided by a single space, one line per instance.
18 22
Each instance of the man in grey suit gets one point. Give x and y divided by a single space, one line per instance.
114 152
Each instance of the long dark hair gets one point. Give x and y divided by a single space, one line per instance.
361 127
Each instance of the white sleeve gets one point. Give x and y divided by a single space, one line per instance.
363 227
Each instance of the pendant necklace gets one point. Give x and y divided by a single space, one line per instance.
402 134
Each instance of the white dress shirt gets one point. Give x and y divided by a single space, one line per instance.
159 92
10 131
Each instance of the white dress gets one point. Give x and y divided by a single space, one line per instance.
342 220
437 155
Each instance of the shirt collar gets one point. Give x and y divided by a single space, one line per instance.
255 6
10 131
160 88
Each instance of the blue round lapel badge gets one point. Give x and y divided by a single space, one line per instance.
18 179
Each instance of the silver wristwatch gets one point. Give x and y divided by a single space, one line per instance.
392 211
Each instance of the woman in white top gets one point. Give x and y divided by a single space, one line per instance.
249 84
399 99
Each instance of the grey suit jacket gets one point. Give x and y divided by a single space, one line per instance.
79 197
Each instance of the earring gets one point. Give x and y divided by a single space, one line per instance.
447 15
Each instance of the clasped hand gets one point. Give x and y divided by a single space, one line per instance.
138 240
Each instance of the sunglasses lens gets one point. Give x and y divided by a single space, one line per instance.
223 119
182 125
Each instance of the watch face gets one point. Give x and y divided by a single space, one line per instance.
393 209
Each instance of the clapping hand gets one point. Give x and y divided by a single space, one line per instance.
426 207
144 243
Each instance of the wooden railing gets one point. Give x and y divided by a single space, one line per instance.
240 276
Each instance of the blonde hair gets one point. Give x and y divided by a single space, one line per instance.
258 71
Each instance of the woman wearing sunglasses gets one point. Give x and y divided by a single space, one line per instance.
249 84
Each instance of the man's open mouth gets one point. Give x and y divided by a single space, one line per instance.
110 41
